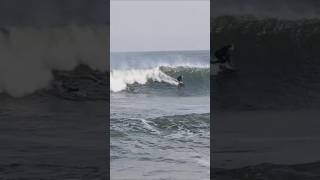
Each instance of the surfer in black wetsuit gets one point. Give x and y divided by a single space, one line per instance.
179 78
180 81
223 54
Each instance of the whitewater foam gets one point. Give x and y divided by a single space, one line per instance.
28 55
120 79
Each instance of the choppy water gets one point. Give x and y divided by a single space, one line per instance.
160 131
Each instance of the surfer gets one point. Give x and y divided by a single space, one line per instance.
223 54
180 81
179 78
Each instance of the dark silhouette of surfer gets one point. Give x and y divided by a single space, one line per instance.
179 78
224 54
180 81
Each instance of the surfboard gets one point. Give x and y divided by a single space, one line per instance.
180 84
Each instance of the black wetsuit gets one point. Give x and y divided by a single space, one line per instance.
180 82
179 79
223 55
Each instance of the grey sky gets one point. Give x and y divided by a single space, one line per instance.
160 25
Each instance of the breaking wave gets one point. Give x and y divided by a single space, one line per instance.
277 63
121 79
29 55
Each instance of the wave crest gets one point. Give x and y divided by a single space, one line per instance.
120 79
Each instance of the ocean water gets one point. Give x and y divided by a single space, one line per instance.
158 130
265 113
46 137
277 64
53 96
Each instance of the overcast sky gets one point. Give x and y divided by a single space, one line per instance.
160 25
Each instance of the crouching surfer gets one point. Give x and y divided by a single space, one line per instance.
180 81
224 57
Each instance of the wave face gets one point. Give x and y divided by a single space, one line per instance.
29 55
277 64
140 75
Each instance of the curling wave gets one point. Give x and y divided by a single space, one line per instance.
277 64
121 79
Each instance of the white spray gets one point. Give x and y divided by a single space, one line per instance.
28 55
119 79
